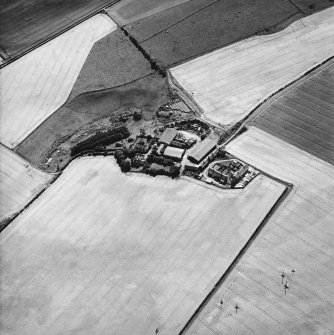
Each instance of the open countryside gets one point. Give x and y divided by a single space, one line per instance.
39 83
285 279
20 182
166 167
304 116
229 83
146 258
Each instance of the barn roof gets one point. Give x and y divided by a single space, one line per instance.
174 152
168 135
201 149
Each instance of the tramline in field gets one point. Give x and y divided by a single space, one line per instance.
105 252
19 183
37 84
284 281
229 83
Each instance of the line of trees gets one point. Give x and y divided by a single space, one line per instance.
100 140
159 160
172 171
153 63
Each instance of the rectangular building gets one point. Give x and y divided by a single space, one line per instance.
174 153
168 136
201 150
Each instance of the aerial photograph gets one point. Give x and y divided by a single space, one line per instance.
167 167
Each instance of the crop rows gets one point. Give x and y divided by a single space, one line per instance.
294 249
125 253
304 116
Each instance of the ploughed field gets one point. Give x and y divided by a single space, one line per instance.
294 249
304 116
103 252
230 82
27 23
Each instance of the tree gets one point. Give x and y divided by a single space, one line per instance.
125 165
174 171
137 116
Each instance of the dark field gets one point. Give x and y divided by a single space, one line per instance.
197 27
310 6
304 116
25 23
147 93
113 61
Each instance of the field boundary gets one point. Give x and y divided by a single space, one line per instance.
244 249
11 59
263 32
280 92
7 221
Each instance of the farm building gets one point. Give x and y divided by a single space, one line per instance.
168 136
201 150
174 153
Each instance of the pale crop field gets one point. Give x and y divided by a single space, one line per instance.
128 11
101 252
19 182
230 82
36 85
298 240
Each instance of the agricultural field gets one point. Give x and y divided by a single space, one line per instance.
304 116
146 94
113 61
24 23
197 27
127 11
37 84
229 83
103 252
19 184
294 249
309 6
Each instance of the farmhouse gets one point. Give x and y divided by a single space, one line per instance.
228 172
174 153
168 136
201 150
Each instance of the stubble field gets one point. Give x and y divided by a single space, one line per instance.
102 252
36 85
296 241
304 116
229 83
19 183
